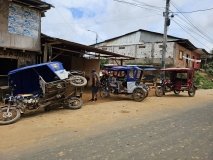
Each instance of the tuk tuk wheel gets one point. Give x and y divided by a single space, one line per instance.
78 81
191 92
176 91
103 93
9 116
159 92
73 103
138 94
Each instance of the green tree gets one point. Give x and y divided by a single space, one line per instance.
102 62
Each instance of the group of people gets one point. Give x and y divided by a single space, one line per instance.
96 83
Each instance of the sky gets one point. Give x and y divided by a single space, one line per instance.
71 19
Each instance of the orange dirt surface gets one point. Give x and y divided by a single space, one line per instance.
33 126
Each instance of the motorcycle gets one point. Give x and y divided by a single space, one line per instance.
51 88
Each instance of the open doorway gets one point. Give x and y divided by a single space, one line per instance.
6 65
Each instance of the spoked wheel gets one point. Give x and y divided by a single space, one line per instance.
73 103
191 92
9 116
176 92
139 94
103 93
159 92
78 81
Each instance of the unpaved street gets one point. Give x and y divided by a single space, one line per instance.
51 134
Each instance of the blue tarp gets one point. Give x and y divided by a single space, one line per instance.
26 78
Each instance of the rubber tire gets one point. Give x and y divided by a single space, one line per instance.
103 93
136 92
74 78
18 115
69 103
147 93
191 92
176 92
159 92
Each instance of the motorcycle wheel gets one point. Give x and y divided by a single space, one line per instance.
147 93
103 93
159 92
9 117
191 92
176 92
138 95
78 81
73 103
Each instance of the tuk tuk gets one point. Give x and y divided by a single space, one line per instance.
131 76
179 79
41 86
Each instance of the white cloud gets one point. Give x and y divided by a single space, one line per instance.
110 18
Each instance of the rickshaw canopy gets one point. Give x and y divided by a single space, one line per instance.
26 79
177 69
137 72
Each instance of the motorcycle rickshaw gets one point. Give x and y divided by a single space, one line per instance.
180 79
41 86
112 84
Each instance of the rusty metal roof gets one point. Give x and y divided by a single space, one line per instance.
77 48
36 4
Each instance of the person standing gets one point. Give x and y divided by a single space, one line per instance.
95 85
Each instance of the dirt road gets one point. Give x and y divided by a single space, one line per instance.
35 127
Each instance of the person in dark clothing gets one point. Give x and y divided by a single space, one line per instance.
95 85
124 83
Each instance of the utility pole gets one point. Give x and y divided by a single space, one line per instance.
166 24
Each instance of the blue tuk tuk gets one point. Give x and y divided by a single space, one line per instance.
41 85
118 76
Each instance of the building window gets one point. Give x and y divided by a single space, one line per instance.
104 48
160 46
180 54
141 46
121 47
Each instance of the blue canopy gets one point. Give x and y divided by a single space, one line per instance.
26 78
127 69
123 68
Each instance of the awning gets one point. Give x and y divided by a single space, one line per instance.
64 47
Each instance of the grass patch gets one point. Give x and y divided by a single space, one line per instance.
203 80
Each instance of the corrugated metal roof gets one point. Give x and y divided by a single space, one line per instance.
80 48
37 4
140 30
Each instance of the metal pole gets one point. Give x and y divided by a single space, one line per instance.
165 37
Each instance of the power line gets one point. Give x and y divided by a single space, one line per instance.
189 29
140 6
67 23
195 11
107 21
193 24
190 34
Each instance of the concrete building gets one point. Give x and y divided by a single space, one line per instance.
146 47
20 30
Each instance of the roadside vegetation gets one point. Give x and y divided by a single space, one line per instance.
204 79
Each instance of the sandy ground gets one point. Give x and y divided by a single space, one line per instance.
33 126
